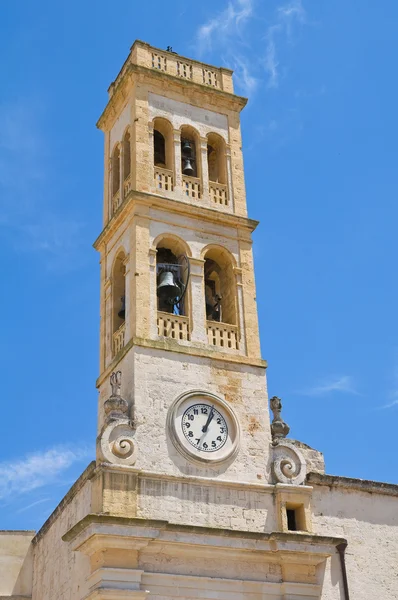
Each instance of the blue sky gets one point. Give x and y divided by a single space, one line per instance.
320 147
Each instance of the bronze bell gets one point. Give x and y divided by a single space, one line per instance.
188 168
186 147
122 311
168 290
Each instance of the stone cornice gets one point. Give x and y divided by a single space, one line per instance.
126 76
144 199
350 483
155 527
249 486
170 345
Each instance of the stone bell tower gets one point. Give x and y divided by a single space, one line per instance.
178 308
193 493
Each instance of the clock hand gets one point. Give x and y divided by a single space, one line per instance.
209 419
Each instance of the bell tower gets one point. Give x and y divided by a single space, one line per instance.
193 493
178 308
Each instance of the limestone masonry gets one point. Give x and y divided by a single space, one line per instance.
194 492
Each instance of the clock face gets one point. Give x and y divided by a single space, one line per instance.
203 428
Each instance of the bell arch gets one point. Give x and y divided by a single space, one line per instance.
220 285
216 158
118 291
172 273
190 152
115 170
163 147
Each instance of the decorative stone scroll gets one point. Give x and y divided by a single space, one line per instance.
116 444
289 465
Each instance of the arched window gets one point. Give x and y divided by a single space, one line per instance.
118 292
220 287
172 277
163 144
190 154
115 170
216 158
126 155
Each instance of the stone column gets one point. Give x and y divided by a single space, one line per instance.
198 310
121 168
177 162
229 178
241 320
153 308
128 332
107 339
151 154
204 171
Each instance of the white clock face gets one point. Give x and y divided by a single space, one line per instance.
203 428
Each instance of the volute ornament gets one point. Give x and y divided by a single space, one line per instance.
289 465
116 444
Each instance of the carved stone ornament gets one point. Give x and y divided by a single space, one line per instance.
116 407
289 465
116 444
279 429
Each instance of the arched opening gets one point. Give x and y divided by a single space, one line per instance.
118 292
216 159
220 287
172 271
159 149
126 155
115 170
163 144
190 163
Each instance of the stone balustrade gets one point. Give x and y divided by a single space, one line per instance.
118 339
173 326
218 193
223 335
191 186
163 179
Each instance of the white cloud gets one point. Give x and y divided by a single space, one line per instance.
390 404
31 505
271 63
244 78
286 18
224 24
38 469
246 52
344 384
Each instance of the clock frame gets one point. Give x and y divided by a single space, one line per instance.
190 405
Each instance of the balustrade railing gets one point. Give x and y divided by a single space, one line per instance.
116 201
186 69
173 326
191 186
218 193
127 185
118 339
223 335
210 77
163 179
